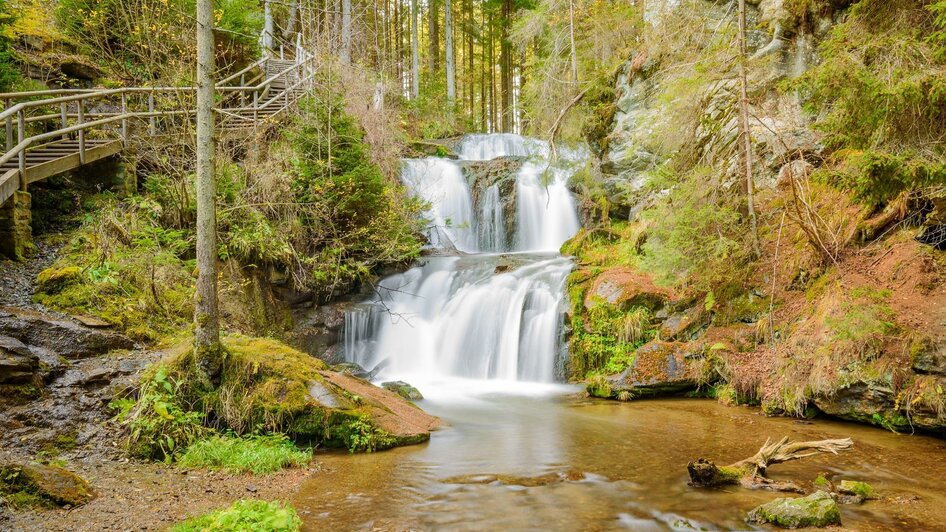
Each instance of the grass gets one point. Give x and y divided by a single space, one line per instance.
245 515
257 454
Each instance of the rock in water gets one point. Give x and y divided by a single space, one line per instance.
25 484
403 389
815 510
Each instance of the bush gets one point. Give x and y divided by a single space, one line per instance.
257 454
245 515
161 422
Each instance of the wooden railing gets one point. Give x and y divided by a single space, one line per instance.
38 118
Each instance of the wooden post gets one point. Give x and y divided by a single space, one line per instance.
242 92
9 127
152 121
81 112
64 118
20 135
124 120
255 106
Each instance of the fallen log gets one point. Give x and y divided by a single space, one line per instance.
750 472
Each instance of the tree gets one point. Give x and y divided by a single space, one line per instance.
346 31
206 318
744 127
448 52
415 52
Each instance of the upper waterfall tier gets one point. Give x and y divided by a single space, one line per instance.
470 220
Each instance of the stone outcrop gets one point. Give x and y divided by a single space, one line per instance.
65 336
625 288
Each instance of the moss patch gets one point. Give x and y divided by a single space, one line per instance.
43 485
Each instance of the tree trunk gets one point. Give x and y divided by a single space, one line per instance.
291 22
346 32
751 471
206 318
415 52
505 65
571 36
448 52
744 120
433 20
267 38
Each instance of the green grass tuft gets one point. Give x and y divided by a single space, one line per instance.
245 515
257 454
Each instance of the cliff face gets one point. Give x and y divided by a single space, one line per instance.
842 310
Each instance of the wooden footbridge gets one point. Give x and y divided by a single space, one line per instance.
50 132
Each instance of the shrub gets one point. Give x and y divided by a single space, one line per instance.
161 423
257 453
245 515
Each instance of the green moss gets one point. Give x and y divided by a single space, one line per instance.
816 510
860 489
258 454
54 280
599 386
43 486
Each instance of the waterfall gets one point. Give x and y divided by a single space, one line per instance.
493 311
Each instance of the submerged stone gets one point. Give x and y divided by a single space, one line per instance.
816 510
403 389
43 485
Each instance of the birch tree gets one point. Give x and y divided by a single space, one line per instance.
346 31
206 318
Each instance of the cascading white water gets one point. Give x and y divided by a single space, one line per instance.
480 315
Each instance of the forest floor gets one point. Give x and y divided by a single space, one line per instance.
149 496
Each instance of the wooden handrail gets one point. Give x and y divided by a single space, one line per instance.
24 142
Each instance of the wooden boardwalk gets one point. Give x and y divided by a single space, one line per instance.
54 131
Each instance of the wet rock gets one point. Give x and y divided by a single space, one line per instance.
626 288
857 492
660 368
318 330
403 389
816 510
351 368
43 485
59 334
18 364
683 325
927 357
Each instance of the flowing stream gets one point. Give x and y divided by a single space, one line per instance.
476 326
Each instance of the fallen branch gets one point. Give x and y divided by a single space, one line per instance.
750 472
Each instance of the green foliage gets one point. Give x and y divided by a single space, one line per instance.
9 73
124 267
257 453
360 435
694 238
880 96
153 39
161 424
245 515
604 337
877 177
598 386
353 218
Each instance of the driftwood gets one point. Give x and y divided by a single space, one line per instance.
750 472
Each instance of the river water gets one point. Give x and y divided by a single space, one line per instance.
476 326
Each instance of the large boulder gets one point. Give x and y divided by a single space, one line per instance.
267 384
816 510
660 368
61 335
626 288
43 485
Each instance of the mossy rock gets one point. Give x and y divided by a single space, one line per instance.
861 490
403 389
54 280
43 485
816 510
265 384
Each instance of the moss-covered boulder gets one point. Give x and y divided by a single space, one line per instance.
816 510
403 389
661 368
25 485
53 280
267 384
625 287
856 491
